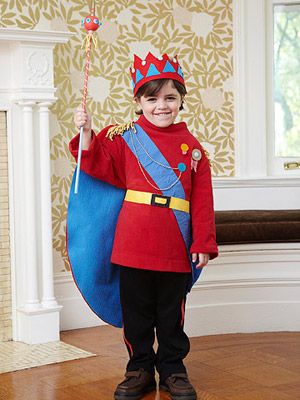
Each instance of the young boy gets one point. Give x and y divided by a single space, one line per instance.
166 220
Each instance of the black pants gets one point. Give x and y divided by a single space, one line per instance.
154 301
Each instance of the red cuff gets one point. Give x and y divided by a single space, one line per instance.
205 249
74 145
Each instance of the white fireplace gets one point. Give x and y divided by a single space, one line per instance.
26 92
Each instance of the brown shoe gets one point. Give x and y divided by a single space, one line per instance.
136 384
179 387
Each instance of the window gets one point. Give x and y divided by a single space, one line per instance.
286 83
283 66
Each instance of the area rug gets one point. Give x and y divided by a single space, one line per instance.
15 356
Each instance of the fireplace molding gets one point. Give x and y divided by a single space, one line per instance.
26 92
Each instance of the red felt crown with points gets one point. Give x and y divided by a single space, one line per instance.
152 68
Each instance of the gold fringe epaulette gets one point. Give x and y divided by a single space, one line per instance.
207 154
120 129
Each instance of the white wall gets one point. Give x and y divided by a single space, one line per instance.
249 288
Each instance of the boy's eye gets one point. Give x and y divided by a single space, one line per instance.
151 99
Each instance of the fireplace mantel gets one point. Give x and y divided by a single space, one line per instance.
26 92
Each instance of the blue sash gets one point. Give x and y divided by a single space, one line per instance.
163 178
91 223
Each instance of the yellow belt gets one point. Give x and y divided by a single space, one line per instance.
175 203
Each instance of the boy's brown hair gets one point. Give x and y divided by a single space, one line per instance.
153 87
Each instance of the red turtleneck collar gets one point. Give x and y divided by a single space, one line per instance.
173 128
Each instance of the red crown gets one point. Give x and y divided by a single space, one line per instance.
152 68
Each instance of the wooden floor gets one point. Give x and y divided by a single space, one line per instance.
263 366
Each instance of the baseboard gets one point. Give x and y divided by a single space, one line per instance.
242 318
75 313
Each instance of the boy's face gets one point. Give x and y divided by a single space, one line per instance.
162 108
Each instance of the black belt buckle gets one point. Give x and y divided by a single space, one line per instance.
156 202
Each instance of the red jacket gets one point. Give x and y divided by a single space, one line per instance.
148 237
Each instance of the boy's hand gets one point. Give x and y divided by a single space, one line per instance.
81 118
202 258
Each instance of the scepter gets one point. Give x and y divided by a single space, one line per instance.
91 24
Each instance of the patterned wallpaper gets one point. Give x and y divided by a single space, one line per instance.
200 32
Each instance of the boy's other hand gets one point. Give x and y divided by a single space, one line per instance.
202 259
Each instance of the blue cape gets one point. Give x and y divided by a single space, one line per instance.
91 223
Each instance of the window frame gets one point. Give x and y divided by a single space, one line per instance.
253 60
276 163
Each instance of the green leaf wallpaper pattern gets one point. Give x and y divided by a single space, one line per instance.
199 31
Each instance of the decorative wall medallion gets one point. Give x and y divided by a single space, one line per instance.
39 72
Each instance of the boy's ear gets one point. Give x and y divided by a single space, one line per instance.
137 100
182 103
